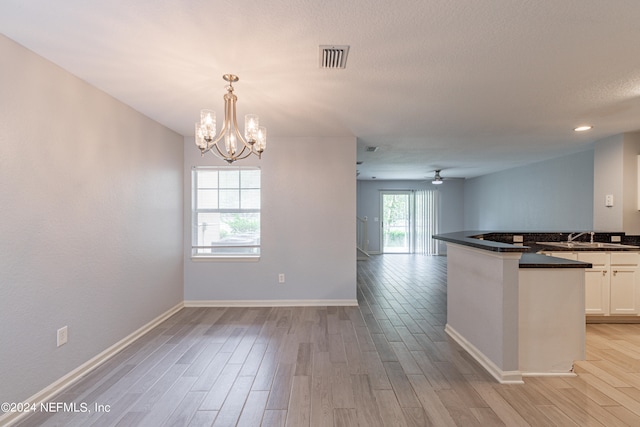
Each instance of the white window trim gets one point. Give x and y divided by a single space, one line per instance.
225 258
219 257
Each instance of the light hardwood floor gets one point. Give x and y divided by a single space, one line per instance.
387 362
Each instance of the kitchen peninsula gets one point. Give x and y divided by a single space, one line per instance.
517 313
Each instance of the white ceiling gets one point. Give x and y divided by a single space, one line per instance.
469 87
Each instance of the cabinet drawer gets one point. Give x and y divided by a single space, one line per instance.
597 259
625 258
563 255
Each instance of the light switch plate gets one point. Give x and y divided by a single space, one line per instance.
62 336
608 200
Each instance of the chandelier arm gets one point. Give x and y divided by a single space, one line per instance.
219 154
235 123
228 158
241 138
230 121
218 138
239 156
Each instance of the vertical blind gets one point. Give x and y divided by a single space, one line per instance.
426 221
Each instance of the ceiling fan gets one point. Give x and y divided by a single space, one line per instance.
437 179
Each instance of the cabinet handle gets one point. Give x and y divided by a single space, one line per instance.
614 272
604 272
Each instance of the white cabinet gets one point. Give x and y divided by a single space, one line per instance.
612 284
563 254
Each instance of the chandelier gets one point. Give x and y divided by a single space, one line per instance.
235 146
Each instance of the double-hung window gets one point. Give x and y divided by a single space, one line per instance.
225 213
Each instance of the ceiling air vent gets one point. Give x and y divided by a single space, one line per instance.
333 56
372 149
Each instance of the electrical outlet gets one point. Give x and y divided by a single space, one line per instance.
281 278
62 336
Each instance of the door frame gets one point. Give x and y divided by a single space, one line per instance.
411 214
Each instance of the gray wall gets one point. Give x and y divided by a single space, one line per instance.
451 204
90 224
616 173
631 216
608 179
553 195
308 227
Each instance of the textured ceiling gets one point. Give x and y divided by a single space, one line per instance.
469 87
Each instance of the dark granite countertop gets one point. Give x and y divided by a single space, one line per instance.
540 246
468 238
529 259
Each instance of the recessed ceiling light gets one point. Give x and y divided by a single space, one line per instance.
583 128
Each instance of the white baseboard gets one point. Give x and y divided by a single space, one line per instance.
72 377
272 303
549 374
503 377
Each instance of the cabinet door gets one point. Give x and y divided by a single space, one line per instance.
623 290
624 283
596 291
596 282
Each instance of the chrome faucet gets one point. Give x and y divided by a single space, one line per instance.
573 236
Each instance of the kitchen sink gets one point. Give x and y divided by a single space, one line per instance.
586 245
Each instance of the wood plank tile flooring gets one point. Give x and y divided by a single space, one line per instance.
387 362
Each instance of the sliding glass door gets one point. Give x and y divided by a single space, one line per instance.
397 224
409 220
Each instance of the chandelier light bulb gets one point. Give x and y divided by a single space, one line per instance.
199 135
208 123
230 142
261 140
251 127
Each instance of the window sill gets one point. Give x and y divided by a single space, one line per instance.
230 258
